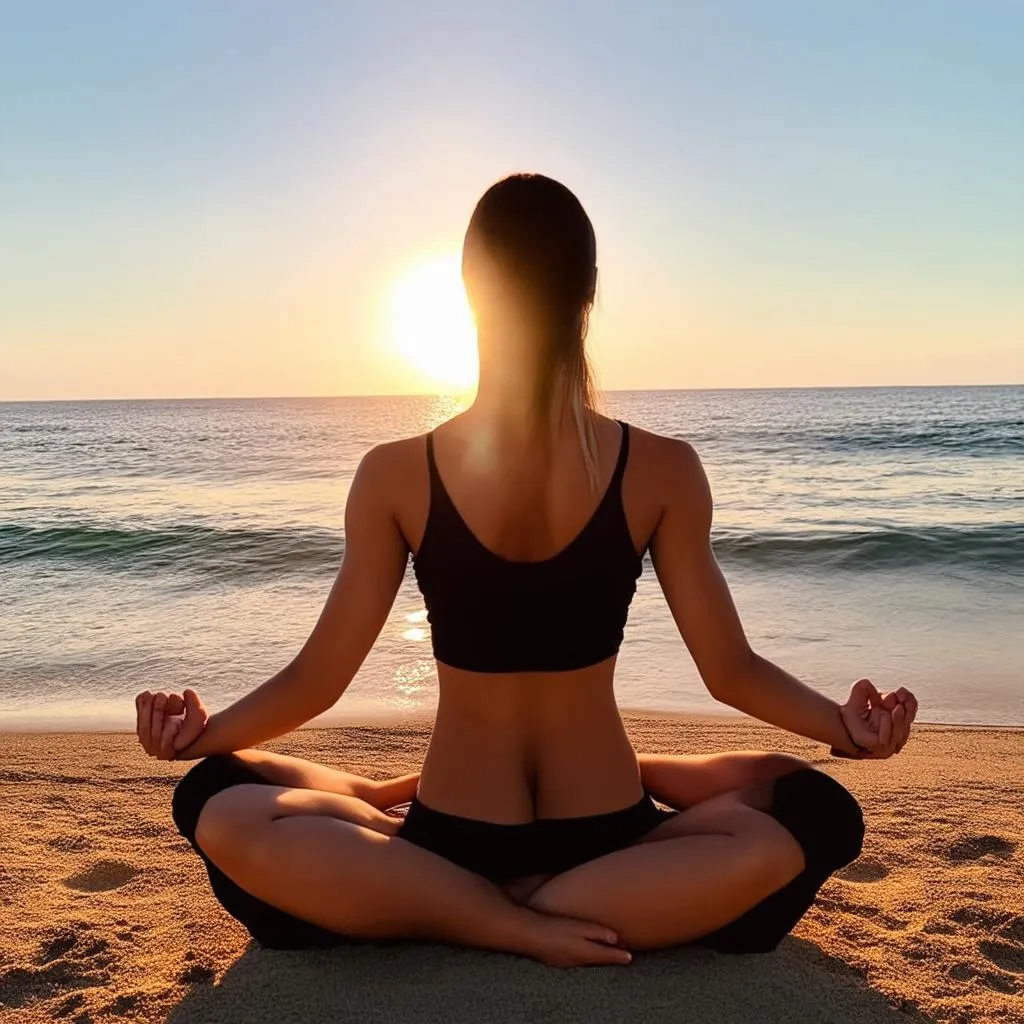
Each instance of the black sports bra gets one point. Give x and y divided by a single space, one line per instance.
490 614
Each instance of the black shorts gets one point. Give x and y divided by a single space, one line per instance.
547 846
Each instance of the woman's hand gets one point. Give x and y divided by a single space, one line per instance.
168 723
879 724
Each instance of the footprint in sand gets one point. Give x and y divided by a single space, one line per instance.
66 959
867 869
968 915
975 847
67 1006
962 971
197 974
123 1005
102 876
987 920
56 946
1003 954
997 982
876 915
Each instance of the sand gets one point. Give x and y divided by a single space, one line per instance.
105 917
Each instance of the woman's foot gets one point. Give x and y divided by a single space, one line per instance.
387 793
566 942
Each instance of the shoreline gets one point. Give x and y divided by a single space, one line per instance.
386 719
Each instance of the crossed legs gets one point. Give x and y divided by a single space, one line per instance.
305 855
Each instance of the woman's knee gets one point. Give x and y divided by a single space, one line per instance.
194 789
822 815
760 773
827 822
231 821
204 780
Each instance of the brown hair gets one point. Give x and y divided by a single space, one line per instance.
543 242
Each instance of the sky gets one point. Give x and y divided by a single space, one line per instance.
224 198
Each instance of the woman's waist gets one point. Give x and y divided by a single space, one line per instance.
527 704
506 769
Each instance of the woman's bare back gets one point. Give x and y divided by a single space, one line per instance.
513 747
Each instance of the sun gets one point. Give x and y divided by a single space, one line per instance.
431 326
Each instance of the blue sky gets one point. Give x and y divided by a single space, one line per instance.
216 198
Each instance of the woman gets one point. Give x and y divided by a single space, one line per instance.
533 827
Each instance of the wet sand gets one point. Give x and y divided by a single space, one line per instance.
105 917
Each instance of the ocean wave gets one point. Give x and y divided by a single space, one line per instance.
994 548
253 554
1003 437
996 438
183 549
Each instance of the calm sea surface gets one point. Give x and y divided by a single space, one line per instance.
873 532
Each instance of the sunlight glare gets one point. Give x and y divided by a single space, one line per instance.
431 325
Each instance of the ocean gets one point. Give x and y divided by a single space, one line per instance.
165 544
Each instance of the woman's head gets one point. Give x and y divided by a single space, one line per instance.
529 264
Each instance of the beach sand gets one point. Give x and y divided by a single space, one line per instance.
106 916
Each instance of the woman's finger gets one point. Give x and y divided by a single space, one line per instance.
873 693
166 746
195 721
860 697
900 728
882 745
864 694
156 724
911 706
143 718
138 713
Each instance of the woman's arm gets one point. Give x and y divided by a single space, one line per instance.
703 608
356 609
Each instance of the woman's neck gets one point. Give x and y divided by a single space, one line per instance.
506 399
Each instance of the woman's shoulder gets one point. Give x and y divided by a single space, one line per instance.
662 455
668 472
397 452
391 466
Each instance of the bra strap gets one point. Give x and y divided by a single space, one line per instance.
438 492
620 466
435 478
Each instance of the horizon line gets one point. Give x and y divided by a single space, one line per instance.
457 394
